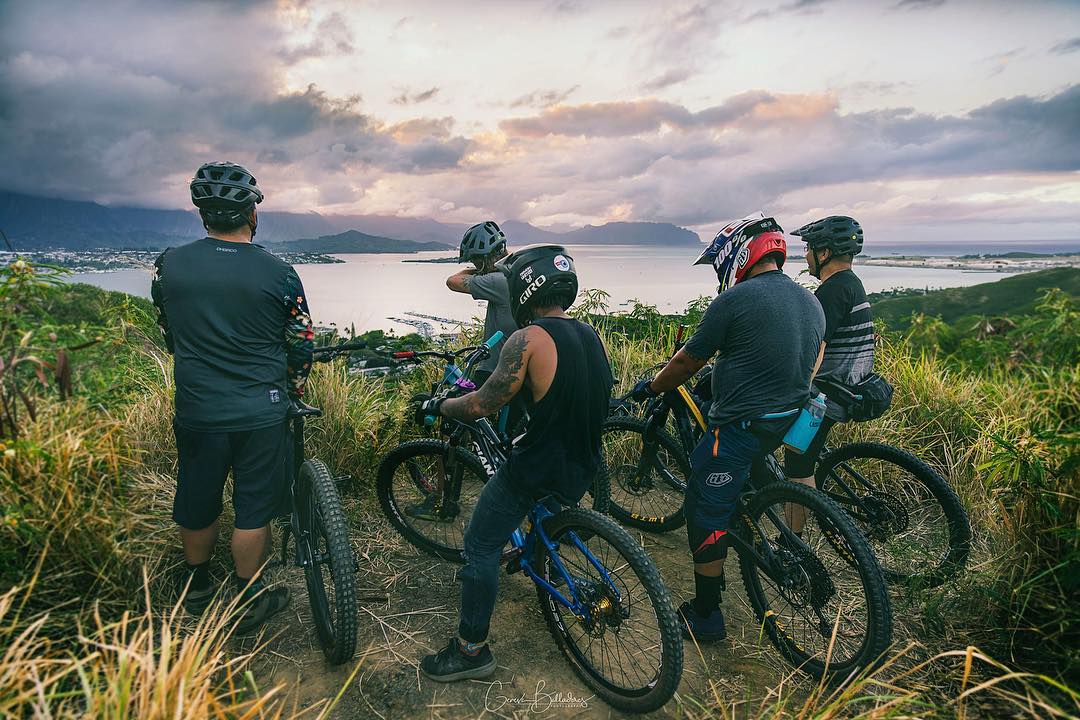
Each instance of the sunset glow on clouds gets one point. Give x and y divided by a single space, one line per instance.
921 117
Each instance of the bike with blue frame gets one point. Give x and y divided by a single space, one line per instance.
428 487
600 594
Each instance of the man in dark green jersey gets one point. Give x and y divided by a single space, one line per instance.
236 320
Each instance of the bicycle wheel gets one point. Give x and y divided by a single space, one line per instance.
629 649
332 594
428 490
646 493
825 609
913 519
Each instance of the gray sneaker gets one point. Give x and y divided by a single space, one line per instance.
265 605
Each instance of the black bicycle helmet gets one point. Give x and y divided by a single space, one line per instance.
535 273
224 185
481 240
839 233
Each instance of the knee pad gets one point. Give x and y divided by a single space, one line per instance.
706 545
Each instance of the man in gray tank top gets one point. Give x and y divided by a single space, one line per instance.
561 368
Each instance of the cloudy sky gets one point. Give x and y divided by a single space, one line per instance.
926 119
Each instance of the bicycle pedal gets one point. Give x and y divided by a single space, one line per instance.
511 559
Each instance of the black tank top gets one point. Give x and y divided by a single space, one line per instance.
560 451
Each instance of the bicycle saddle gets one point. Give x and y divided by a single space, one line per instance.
299 408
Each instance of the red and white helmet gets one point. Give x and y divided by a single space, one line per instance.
740 245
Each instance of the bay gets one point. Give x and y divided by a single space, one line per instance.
378 291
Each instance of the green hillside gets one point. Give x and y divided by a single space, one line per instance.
1014 295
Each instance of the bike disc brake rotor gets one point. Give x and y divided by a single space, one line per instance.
605 610
888 516
632 482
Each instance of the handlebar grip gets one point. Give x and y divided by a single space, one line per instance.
404 355
494 339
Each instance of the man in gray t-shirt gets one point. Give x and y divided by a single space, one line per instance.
768 332
484 245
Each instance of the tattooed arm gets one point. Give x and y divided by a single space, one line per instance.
459 281
501 387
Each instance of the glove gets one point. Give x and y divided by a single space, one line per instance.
428 408
643 391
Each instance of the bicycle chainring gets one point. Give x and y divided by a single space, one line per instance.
809 584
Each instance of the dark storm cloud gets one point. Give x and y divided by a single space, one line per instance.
635 117
1066 47
124 116
755 148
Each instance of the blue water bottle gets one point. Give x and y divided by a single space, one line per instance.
806 426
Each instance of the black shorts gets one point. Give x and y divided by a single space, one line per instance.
802 465
259 463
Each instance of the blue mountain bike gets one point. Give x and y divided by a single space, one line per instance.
600 594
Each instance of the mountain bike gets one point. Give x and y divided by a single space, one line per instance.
428 487
600 594
320 528
819 593
912 517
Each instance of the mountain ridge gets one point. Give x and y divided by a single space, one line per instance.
35 223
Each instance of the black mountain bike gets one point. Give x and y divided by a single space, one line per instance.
321 530
429 486
912 517
820 594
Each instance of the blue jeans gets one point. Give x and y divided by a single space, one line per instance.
499 512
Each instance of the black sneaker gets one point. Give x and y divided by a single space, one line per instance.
265 605
196 601
433 510
451 664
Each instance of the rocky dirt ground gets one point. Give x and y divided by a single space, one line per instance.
409 608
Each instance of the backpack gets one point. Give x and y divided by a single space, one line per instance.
873 396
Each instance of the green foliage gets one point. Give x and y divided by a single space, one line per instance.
1015 295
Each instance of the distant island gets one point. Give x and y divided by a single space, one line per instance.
104 260
353 242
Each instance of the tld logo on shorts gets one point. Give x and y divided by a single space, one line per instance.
275 396
718 479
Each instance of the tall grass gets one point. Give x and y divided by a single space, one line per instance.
143 666
85 495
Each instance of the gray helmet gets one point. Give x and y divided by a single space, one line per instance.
481 240
839 233
224 186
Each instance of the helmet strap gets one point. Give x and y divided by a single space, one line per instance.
252 221
820 263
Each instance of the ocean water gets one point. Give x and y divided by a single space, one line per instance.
379 291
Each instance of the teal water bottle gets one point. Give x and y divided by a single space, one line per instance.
806 426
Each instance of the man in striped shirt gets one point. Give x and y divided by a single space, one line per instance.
848 357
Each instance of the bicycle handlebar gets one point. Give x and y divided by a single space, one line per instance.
327 353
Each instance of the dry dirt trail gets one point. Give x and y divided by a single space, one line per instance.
408 608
